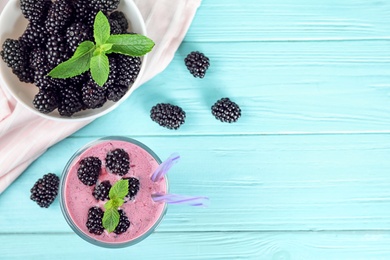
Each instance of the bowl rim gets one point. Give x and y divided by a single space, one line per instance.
76 118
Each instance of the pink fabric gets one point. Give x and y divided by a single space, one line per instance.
24 136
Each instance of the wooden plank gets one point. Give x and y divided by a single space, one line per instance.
256 183
281 20
207 245
282 87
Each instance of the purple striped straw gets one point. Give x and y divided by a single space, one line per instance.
181 199
164 167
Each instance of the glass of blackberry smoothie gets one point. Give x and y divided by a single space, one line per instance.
86 196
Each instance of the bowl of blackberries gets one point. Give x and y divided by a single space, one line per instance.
72 59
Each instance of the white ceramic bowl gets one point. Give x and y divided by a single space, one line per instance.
13 24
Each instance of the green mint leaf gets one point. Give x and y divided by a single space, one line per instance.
101 29
77 64
110 219
130 44
119 190
105 47
100 68
109 205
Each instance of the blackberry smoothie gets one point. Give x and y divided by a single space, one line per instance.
142 212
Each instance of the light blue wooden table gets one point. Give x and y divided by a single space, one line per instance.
304 173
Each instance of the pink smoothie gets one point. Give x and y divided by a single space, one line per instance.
142 211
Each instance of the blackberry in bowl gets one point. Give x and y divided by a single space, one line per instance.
42 34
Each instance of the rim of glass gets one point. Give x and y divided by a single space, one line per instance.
64 210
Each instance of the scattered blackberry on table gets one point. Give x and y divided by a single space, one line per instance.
105 5
101 191
118 161
34 36
226 110
14 54
95 221
35 10
93 95
89 170
133 187
70 101
45 190
118 22
168 115
127 69
123 224
76 34
59 17
45 101
197 63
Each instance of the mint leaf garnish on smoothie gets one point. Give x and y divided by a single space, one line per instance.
117 194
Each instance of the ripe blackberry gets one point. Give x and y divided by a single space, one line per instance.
77 33
35 10
56 50
89 170
34 36
133 187
197 63
45 101
226 110
14 54
105 5
167 115
123 224
26 74
127 69
70 100
118 22
45 190
116 92
59 17
93 95
37 58
44 82
95 221
118 161
101 191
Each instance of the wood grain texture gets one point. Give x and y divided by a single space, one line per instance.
208 245
303 174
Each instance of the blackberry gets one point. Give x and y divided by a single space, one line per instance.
116 92
93 95
34 36
95 221
127 69
89 170
37 58
45 190
70 100
118 161
133 187
45 101
26 74
167 115
123 224
101 191
197 63
43 82
35 10
118 22
77 33
59 17
14 54
226 110
56 50
104 5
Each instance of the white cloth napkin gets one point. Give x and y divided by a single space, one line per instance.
24 136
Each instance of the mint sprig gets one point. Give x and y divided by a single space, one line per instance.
116 194
93 56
